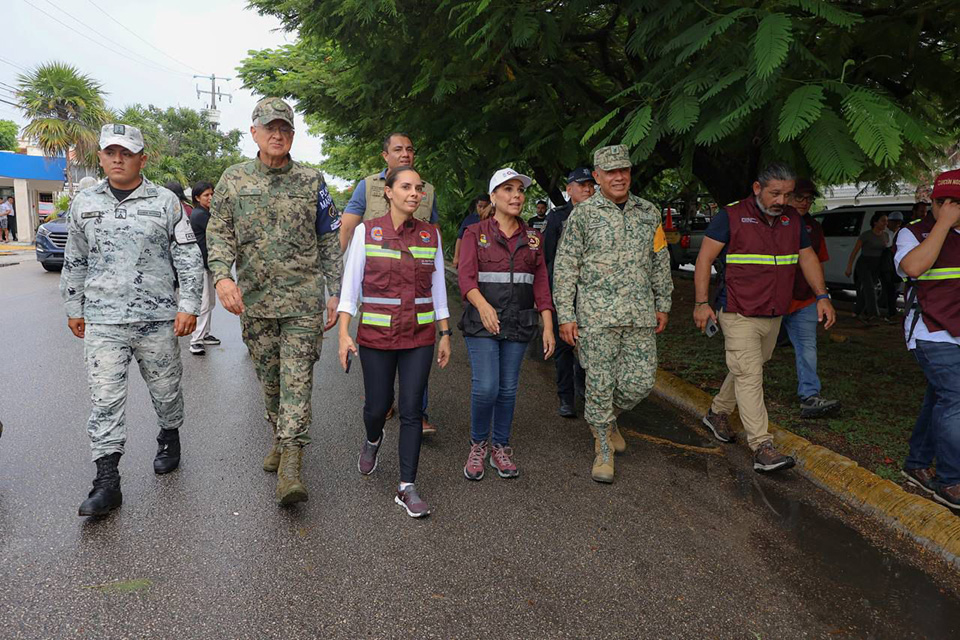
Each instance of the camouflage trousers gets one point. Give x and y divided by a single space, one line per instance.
284 351
621 367
108 350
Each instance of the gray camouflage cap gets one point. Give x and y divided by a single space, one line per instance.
616 156
124 135
270 109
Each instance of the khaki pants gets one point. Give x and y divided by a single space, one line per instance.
749 343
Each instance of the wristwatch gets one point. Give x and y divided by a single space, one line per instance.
823 296
446 332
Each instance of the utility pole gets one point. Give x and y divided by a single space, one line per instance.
213 114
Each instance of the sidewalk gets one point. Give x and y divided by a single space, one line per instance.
15 252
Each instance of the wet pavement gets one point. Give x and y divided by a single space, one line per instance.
688 542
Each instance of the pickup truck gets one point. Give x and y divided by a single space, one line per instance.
684 241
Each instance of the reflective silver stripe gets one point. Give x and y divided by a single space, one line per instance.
423 301
499 277
372 300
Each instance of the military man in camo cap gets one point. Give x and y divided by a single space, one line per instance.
275 219
612 289
127 245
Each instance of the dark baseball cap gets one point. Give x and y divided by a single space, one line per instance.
806 185
580 174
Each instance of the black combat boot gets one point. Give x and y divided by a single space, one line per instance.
168 451
105 495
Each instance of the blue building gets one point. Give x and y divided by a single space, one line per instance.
34 182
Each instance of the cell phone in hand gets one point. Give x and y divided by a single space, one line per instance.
711 328
349 361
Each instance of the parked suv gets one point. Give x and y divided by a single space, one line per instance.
51 242
685 240
841 228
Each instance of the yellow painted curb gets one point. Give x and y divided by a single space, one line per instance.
932 525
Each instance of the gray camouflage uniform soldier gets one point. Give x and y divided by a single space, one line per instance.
613 265
274 217
128 244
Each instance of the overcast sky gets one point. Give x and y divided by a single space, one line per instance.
205 36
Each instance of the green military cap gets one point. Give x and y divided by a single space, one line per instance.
615 156
270 109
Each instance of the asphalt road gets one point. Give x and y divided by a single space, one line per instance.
688 542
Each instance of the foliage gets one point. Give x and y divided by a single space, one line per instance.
8 135
65 108
711 90
62 204
182 145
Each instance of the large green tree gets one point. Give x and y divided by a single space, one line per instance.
845 90
8 135
65 108
182 144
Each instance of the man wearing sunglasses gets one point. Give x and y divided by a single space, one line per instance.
800 323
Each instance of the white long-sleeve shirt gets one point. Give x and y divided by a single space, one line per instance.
351 290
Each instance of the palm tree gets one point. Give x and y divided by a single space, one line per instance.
65 109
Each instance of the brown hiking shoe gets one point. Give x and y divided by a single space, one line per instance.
289 488
923 479
766 458
949 496
719 424
272 459
602 470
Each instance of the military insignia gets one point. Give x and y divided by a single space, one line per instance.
483 240
425 236
90 214
120 214
119 129
659 240
533 240
377 233
149 213
785 220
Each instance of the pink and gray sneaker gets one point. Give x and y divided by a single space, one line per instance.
500 459
410 500
473 470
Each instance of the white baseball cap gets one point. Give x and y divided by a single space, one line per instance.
124 135
508 174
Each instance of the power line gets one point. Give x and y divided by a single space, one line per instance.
13 64
100 44
107 38
142 39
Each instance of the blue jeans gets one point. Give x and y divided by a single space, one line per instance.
936 434
801 326
495 367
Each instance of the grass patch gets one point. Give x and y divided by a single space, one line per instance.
878 382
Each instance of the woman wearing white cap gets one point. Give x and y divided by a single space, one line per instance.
503 279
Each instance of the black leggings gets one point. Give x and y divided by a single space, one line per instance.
380 367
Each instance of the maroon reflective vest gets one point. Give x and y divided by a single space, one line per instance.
761 260
505 280
938 289
801 288
397 289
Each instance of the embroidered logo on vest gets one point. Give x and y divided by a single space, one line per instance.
425 236
750 220
533 240
376 233
483 240
785 221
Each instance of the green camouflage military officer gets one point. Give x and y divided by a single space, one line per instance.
127 244
274 217
612 290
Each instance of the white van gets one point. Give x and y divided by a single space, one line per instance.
841 228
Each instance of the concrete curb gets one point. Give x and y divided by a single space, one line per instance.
932 525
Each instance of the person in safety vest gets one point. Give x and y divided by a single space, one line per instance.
503 280
612 288
928 253
367 202
801 321
394 269
761 240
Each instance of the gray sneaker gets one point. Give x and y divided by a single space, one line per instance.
410 500
816 406
719 425
369 455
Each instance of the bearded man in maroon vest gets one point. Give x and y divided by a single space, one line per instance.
761 240
928 253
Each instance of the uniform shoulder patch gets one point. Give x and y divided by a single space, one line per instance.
659 240
183 232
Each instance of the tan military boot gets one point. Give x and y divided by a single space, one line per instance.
289 488
603 459
616 440
272 460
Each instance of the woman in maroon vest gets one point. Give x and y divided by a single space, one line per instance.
394 268
503 279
